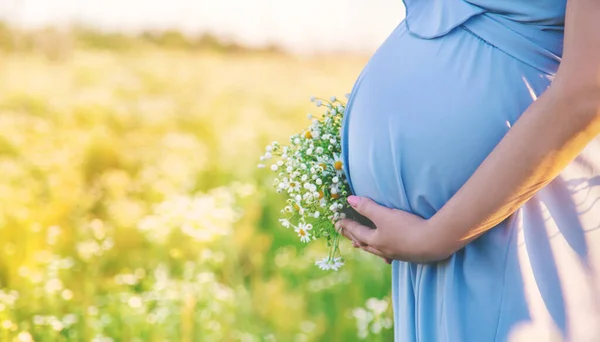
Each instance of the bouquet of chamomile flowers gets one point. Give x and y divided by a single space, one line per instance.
310 173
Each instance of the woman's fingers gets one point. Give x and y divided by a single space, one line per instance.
355 231
347 234
375 251
357 243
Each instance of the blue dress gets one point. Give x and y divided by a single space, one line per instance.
429 106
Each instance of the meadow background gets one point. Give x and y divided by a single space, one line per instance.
131 205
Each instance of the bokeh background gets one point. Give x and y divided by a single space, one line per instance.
131 205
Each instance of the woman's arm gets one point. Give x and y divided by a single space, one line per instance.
542 142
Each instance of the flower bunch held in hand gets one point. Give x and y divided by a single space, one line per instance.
311 175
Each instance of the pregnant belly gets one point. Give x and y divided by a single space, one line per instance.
424 113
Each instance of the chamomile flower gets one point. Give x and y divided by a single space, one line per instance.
324 162
285 222
338 164
328 263
293 186
323 264
303 233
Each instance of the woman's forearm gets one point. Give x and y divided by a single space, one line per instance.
547 137
542 142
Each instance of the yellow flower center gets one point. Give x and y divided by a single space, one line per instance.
338 165
302 232
334 196
308 135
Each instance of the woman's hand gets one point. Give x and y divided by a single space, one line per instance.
398 234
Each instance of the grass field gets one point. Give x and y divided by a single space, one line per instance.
131 207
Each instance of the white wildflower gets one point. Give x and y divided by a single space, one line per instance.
53 285
323 264
330 264
135 302
67 294
7 324
302 233
69 319
57 325
24 336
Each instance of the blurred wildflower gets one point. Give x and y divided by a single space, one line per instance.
24 336
372 319
203 217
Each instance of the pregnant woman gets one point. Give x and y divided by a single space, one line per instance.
477 158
